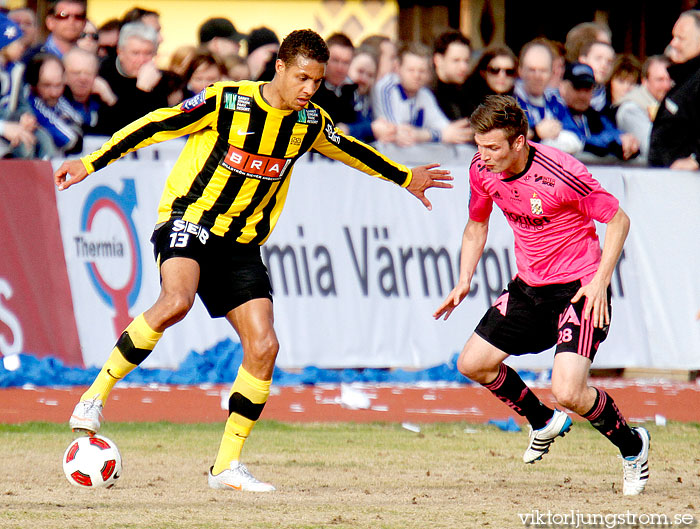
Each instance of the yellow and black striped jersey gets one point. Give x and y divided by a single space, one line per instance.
233 174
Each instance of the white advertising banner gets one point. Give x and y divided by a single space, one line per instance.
358 266
665 211
106 225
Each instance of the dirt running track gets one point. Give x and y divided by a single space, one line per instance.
638 400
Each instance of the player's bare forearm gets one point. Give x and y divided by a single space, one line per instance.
615 236
595 292
473 243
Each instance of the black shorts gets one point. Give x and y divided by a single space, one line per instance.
527 319
229 273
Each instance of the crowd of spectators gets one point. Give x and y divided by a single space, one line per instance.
580 96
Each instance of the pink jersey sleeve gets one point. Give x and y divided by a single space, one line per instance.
480 202
587 195
599 205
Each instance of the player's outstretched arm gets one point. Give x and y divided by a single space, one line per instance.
71 172
473 243
595 292
425 177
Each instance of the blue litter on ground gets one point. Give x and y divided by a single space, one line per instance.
508 425
219 365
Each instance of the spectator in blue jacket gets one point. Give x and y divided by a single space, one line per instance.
17 122
85 91
65 21
597 133
600 57
541 106
404 99
45 78
366 127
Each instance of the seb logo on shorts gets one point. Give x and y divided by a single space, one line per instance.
181 231
256 166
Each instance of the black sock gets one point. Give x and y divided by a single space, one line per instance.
510 388
607 419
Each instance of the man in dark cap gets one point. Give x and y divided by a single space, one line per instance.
262 53
220 37
597 134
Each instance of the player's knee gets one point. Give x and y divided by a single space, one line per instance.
568 397
471 368
176 306
263 349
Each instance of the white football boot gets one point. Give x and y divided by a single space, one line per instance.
540 440
237 477
87 416
636 468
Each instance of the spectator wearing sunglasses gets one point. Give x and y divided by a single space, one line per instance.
88 38
65 22
494 74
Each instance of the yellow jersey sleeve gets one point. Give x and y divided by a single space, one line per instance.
193 114
332 142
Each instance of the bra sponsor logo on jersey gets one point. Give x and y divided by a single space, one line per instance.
308 116
196 101
256 166
236 102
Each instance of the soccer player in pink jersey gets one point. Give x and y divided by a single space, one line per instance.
561 293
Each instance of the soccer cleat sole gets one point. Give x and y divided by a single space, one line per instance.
84 431
546 450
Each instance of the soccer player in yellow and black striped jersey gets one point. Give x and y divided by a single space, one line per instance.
220 203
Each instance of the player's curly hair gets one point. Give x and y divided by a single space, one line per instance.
304 42
500 112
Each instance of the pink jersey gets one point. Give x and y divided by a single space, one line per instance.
551 206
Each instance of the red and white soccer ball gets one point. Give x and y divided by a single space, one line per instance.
92 462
